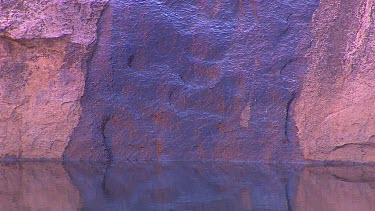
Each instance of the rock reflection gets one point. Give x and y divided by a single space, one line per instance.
184 186
337 188
36 186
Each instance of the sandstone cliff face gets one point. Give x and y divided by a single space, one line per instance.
44 46
335 113
204 80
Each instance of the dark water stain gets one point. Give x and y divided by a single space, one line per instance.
184 186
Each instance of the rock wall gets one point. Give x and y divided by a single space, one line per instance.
44 47
335 113
204 80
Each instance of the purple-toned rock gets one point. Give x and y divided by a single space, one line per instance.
204 80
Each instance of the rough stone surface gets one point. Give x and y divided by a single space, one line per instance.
44 46
203 80
335 113
209 80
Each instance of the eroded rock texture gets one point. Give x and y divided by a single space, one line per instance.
197 80
335 113
194 80
44 46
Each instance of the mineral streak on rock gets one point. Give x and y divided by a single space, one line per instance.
335 114
44 46
210 80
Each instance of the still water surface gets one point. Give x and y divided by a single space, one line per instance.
185 186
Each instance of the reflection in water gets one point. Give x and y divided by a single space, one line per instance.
184 186
36 186
337 188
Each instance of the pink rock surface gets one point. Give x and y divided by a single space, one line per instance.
44 46
335 113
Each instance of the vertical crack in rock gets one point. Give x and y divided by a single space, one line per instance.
287 116
106 141
130 60
287 27
170 95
